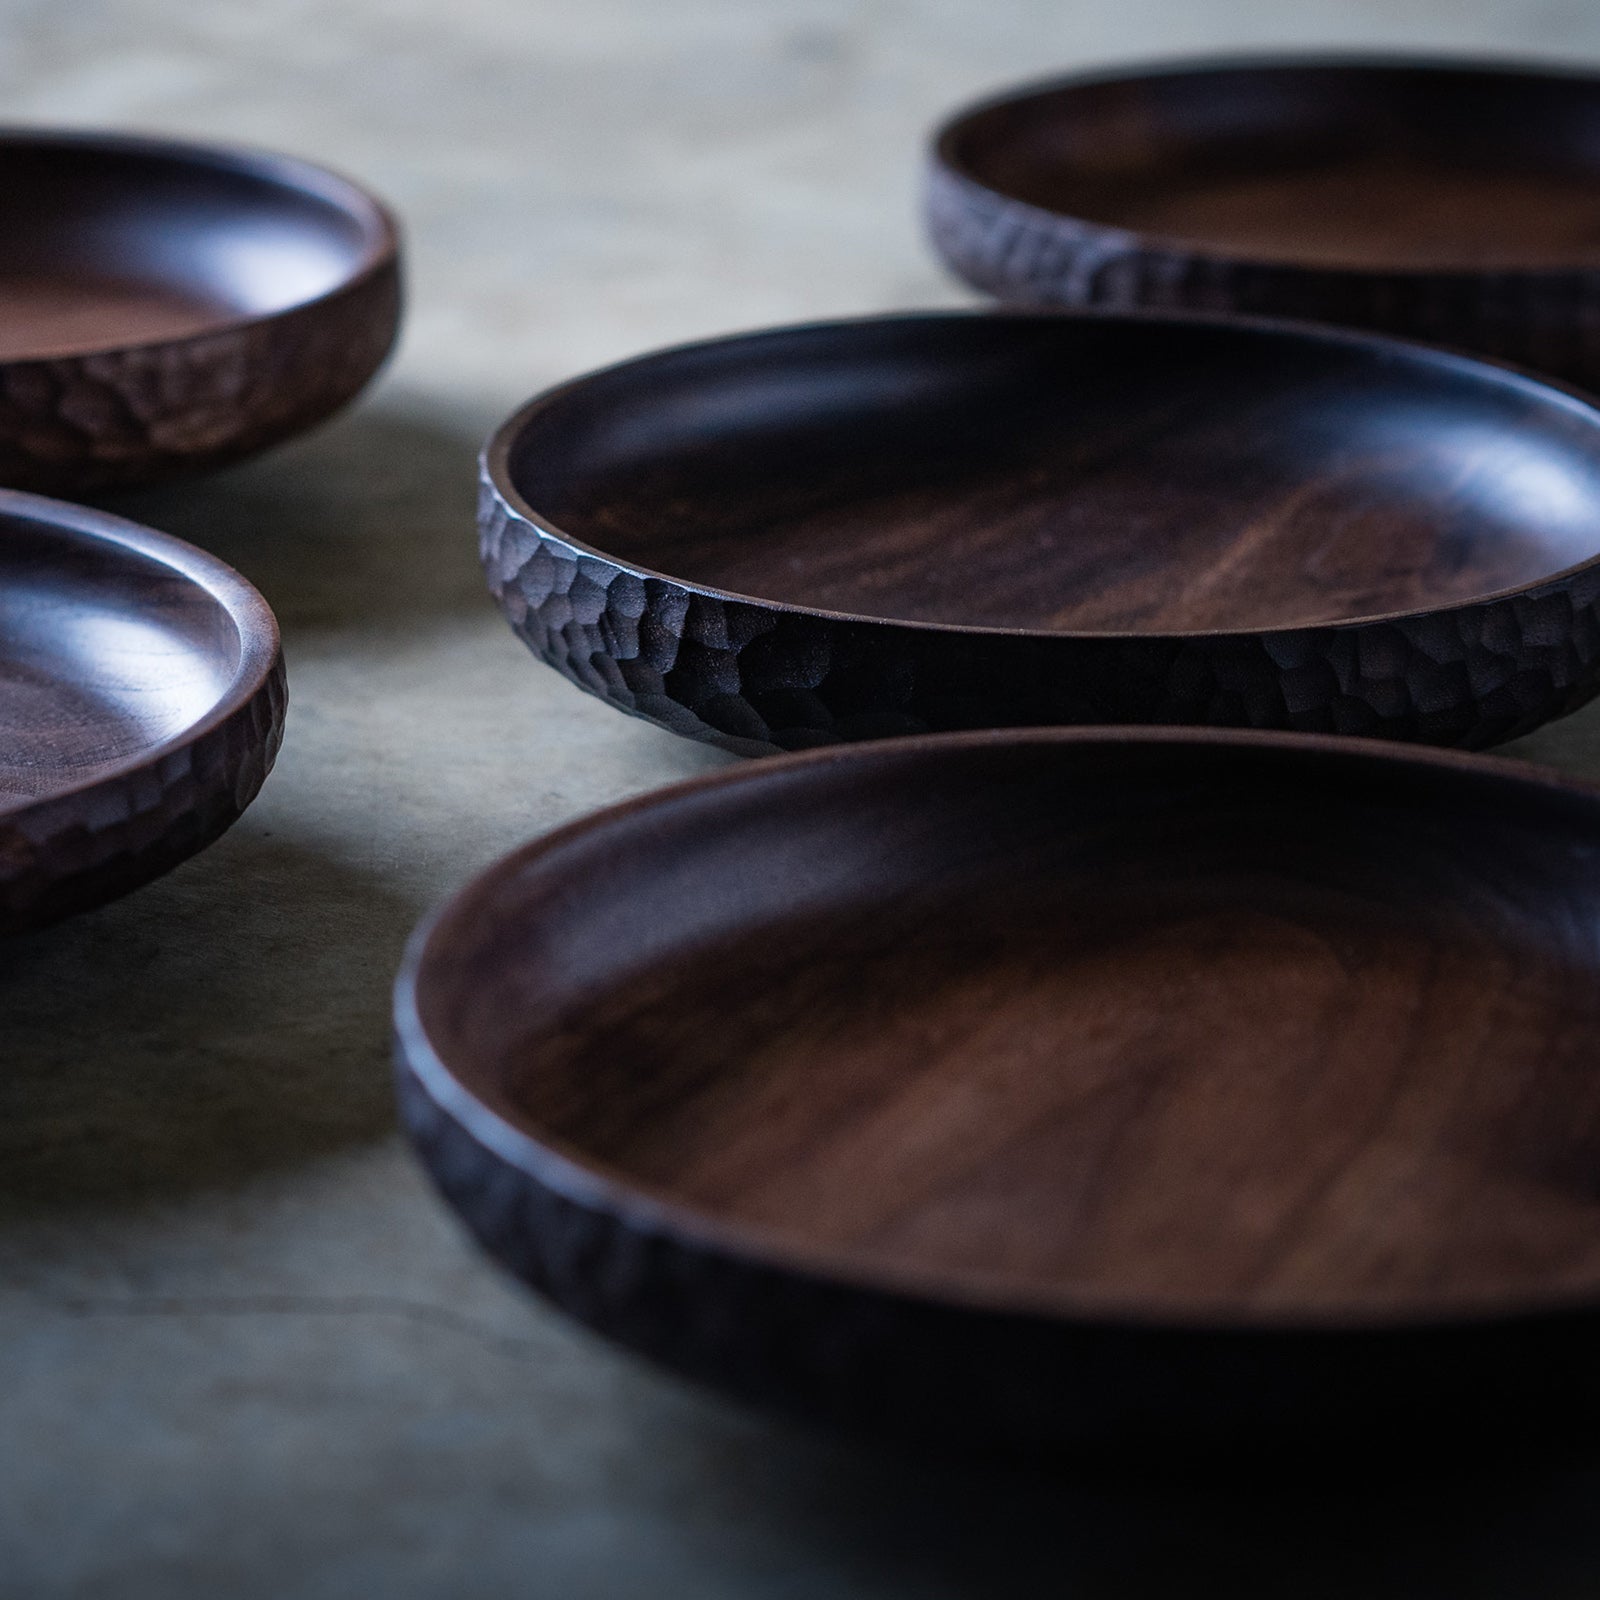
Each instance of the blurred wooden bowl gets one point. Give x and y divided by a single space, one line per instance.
141 705
168 307
1450 201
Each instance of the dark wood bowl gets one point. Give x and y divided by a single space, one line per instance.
168 307
1058 1088
1453 202
925 523
141 705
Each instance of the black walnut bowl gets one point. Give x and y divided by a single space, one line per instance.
1133 1090
168 307
141 705
1451 201
927 523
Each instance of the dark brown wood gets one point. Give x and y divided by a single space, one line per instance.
141 705
168 307
1454 202
925 523
1144 1088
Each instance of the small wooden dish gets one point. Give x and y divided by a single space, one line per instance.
168 307
924 523
141 705
1445 201
1134 1089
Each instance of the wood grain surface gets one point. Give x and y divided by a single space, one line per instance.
1260 1036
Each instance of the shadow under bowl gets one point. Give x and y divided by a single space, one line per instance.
1145 1091
1444 200
928 523
141 705
168 307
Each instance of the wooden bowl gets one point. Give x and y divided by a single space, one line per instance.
168 307
1130 1089
141 705
1443 201
925 523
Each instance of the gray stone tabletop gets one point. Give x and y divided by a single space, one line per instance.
246 1353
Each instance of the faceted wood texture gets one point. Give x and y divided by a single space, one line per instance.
1457 204
928 523
141 705
1143 1091
166 308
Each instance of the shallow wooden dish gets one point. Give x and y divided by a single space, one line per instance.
923 523
1131 1088
1454 202
141 705
167 307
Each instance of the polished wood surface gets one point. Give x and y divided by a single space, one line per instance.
105 657
1078 480
1447 201
141 705
166 307
1218 1035
1083 477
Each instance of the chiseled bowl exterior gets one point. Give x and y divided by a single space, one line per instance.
756 679
149 413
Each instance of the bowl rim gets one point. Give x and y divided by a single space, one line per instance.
569 1172
379 227
494 460
944 160
259 638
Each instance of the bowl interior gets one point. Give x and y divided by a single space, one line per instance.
1192 1025
1359 166
110 243
106 652
1091 475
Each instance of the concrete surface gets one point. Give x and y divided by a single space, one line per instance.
245 1352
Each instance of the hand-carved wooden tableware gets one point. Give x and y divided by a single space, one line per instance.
1139 1088
168 307
1449 202
141 705
926 523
